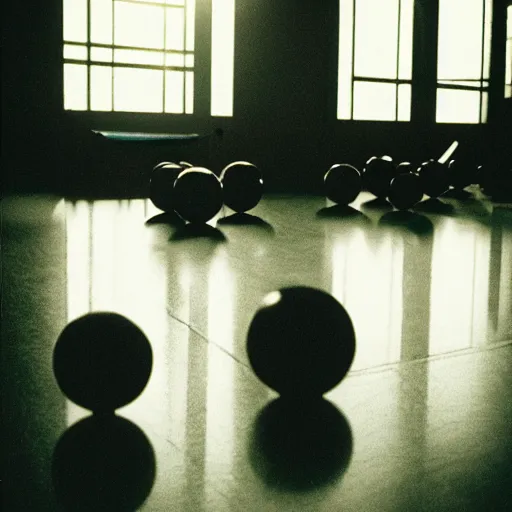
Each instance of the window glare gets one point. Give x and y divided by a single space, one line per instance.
460 39
376 44
455 106
374 101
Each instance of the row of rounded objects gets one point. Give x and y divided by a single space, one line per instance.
301 343
196 194
403 184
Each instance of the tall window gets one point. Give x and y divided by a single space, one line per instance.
508 60
138 55
464 50
375 59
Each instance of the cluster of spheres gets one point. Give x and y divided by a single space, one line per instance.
197 194
403 184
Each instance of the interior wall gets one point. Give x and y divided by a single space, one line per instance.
284 112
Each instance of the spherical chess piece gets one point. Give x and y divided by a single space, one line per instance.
377 175
342 184
197 195
301 342
405 191
242 186
161 185
102 361
434 178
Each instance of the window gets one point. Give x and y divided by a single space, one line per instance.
464 50
375 59
138 56
508 60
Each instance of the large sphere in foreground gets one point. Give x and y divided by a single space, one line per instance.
242 186
197 195
102 361
161 185
301 342
377 175
342 184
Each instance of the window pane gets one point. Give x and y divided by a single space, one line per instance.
75 87
189 92
374 101
406 24
189 61
138 57
223 49
101 88
101 54
191 23
487 38
376 43
138 90
139 25
101 21
174 92
404 102
457 106
75 20
508 64
485 101
460 39
345 59
509 22
72 51
175 60
175 29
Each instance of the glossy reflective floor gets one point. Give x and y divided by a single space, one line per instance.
422 422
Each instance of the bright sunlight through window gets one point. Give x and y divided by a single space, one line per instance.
508 60
464 50
138 56
375 60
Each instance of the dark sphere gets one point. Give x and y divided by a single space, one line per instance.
405 168
102 361
405 191
197 195
377 175
434 178
242 186
301 342
461 174
103 463
342 184
161 186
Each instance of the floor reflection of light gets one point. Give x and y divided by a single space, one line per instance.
111 267
367 280
459 282
504 331
77 259
220 391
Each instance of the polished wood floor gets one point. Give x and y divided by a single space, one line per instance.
421 423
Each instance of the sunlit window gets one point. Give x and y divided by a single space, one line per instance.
138 55
508 65
375 59
464 50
